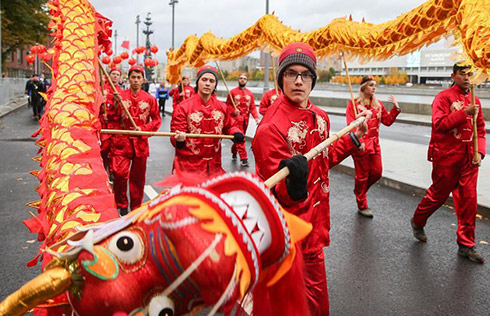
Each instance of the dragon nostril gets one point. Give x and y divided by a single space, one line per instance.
166 312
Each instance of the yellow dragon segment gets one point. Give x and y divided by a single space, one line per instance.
466 20
74 188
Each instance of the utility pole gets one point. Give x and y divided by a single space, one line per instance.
148 32
173 3
266 57
115 42
138 37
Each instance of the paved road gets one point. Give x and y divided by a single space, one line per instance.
374 267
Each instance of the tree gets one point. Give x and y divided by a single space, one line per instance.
24 22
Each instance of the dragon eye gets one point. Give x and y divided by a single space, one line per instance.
161 306
127 247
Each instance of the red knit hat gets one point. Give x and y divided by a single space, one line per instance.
206 69
296 54
137 68
115 69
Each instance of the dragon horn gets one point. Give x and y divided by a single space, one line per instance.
49 284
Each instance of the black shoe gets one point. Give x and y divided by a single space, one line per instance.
244 163
123 211
470 253
233 157
418 232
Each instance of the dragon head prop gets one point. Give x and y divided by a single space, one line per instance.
195 246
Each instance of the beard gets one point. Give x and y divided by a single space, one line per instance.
242 85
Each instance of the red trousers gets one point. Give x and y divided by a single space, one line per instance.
105 149
241 147
134 170
368 172
316 283
461 181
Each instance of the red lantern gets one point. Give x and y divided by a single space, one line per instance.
34 49
155 62
148 62
140 49
154 49
46 56
106 60
124 55
30 58
41 49
109 52
117 60
132 61
112 65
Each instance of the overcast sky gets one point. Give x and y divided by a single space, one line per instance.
226 18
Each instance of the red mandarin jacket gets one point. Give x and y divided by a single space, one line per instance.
144 110
451 140
178 98
288 130
201 155
245 102
113 117
267 101
380 115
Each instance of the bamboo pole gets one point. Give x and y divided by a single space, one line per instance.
163 134
350 86
274 74
284 172
123 103
475 127
226 85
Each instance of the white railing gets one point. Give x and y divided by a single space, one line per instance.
11 88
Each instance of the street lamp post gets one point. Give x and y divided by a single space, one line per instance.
1 73
173 3
266 57
138 36
115 42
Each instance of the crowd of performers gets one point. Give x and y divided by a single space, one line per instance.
291 125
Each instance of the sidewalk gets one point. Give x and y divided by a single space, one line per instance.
13 105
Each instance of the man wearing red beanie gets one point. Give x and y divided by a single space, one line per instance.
202 113
109 118
291 127
129 153
244 100
182 92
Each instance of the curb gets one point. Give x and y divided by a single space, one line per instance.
405 187
12 106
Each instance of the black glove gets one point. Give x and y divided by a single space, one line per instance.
297 181
239 138
179 145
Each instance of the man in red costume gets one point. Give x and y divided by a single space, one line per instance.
367 162
267 100
203 113
454 164
129 153
245 102
109 117
289 129
182 92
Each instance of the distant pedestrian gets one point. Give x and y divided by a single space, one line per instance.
27 91
244 100
454 165
367 161
37 101
162 95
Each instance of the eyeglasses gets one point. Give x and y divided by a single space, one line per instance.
245 78
291 75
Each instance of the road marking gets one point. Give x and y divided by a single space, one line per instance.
150 192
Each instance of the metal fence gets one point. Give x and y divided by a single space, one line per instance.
11 88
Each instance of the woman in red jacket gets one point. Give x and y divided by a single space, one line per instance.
367 162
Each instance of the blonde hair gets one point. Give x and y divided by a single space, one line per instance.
362 99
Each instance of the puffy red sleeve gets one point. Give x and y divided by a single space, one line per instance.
442 118
349 112
269 148
264 104
179 122
340 150
480 127
253 108
156 121
388 118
